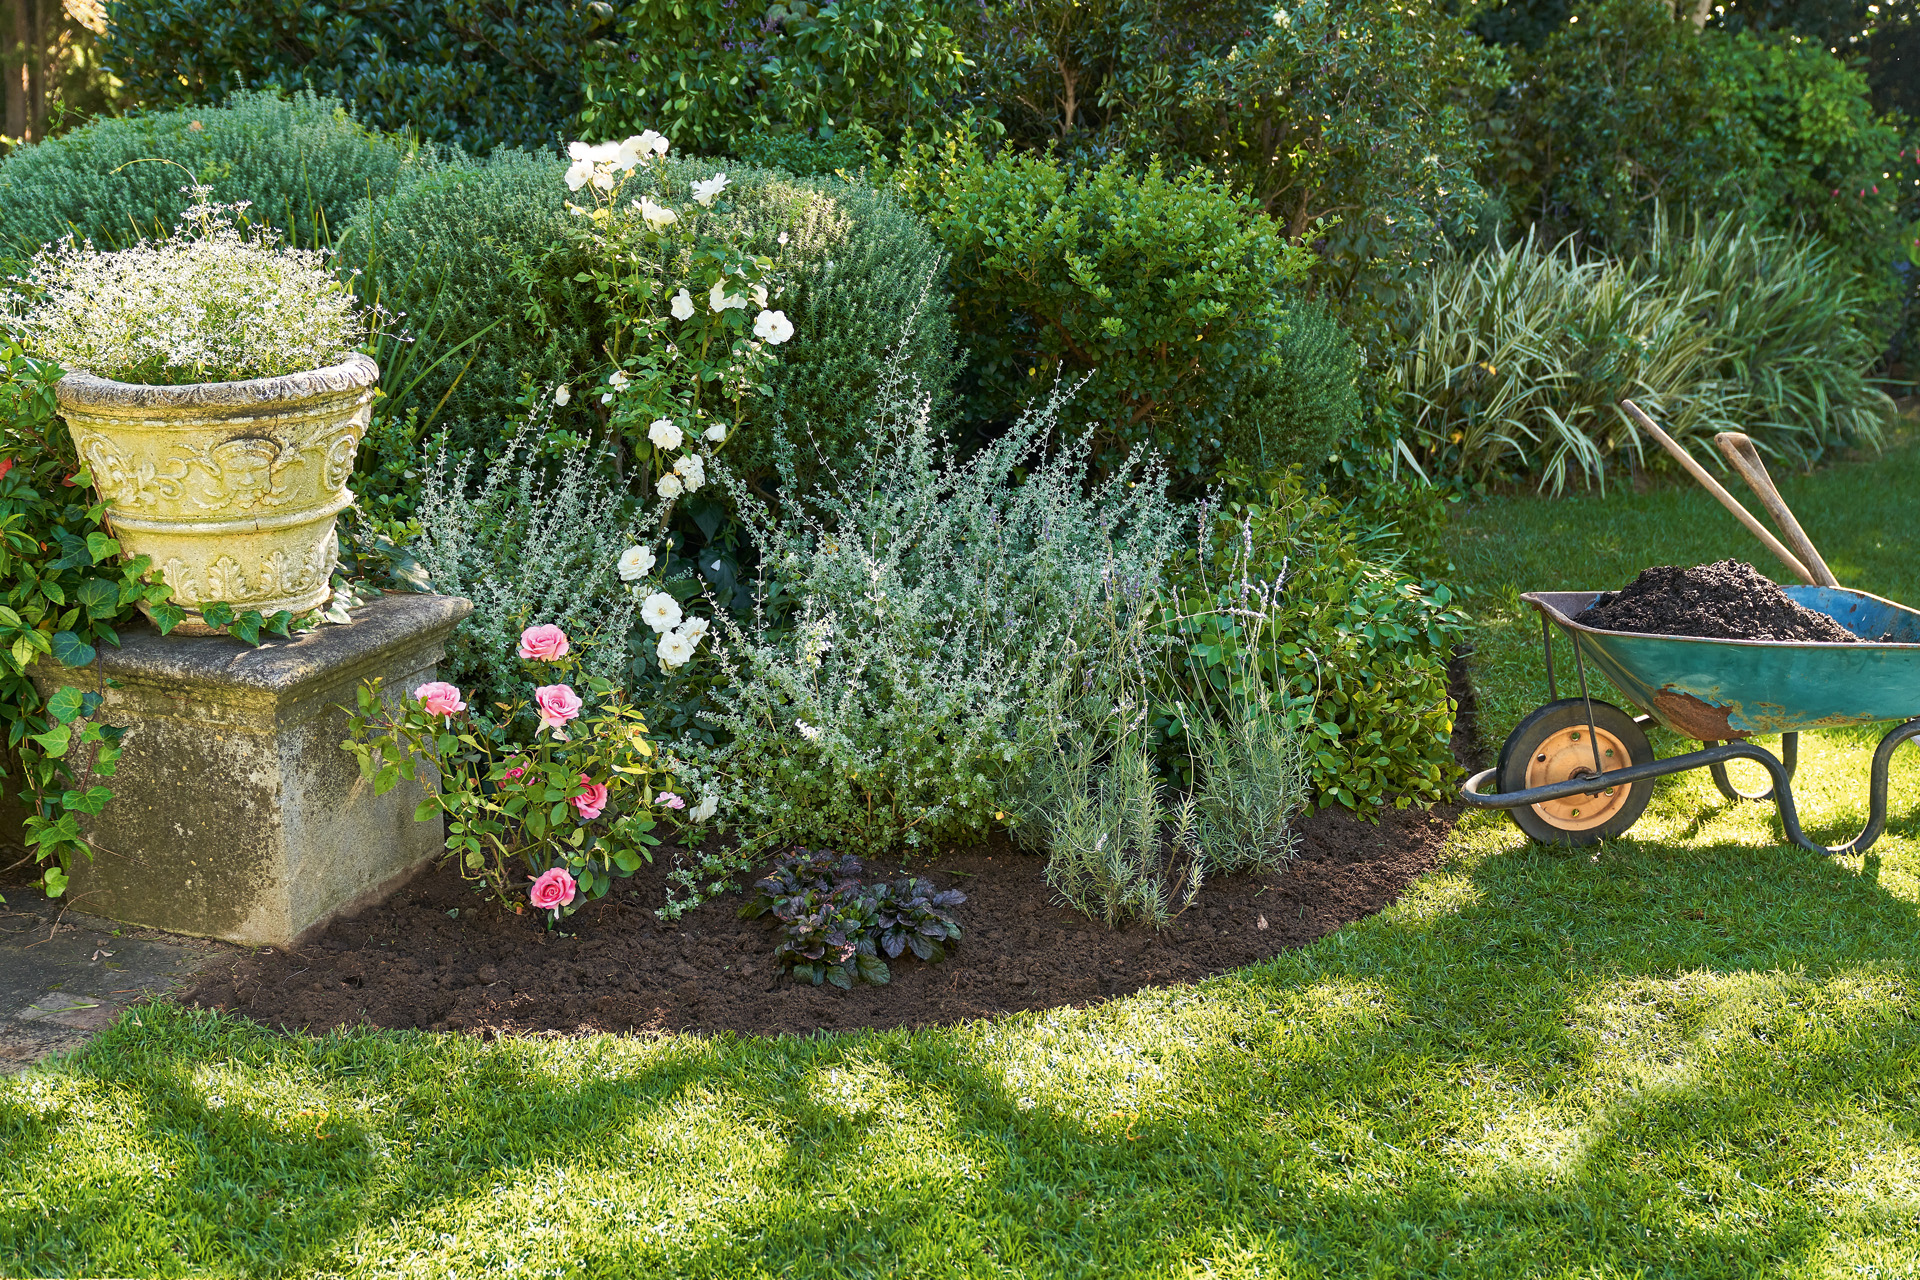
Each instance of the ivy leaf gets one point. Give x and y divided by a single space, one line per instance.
70 650
167 616
65 704
217 614
99 597
101 546
279 623
247 627
54 741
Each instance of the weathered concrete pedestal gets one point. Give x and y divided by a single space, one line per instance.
235 813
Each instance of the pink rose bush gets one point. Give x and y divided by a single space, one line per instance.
545 643
517 782
552 890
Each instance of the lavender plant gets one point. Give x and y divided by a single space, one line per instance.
533 543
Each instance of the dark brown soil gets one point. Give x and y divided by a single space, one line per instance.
414 962
1727 600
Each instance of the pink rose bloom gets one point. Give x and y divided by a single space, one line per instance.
438 698
553 890
544 643
558 704
672 801
516 773
591 800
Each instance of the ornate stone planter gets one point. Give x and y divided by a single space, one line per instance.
231 487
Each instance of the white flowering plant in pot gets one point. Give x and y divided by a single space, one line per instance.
217 397
693 317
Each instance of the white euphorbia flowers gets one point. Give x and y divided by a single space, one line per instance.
682 307
773 327
660 611
636 563
664 434
706 192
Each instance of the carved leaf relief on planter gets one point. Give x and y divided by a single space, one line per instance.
231 487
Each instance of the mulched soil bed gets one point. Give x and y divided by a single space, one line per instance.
612 966
1727 600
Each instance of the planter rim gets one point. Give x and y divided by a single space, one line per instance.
80 389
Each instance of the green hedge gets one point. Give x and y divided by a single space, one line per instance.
467 245
302 161
474 73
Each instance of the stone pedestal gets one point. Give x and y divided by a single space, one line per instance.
235 813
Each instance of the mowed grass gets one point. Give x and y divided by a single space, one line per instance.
1692 1052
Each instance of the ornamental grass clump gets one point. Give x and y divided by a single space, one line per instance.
213 302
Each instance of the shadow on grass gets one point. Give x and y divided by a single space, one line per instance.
1641 1058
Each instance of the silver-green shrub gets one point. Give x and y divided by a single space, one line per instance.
537 543
302 161
467 246
937 604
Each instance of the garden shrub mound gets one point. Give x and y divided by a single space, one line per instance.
1726 600
436 957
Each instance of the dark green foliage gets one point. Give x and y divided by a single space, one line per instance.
470 245
1354 650
474 73
302 162
710 74
1782 130
805 154
1162 292
1306 400
833 927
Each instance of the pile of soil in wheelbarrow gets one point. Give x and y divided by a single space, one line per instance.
435 956
1727 600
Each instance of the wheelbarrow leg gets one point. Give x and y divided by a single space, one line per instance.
1790 756
1876 796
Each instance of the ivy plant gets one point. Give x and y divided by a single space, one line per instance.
66 590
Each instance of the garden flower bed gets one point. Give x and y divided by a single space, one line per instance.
434 958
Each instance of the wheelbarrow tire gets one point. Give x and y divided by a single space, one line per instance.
1552 745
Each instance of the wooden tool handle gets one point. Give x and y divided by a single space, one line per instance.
1738 450
1713 487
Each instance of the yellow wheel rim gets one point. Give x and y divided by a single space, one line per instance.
1569 754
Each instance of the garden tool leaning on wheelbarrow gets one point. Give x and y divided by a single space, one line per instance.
1577 770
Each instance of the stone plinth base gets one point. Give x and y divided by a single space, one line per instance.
235 813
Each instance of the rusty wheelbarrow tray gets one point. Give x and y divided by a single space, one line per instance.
1719 692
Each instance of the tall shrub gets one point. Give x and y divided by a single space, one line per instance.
302 161
473 73
1163 293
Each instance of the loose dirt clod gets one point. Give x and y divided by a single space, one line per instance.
1727 600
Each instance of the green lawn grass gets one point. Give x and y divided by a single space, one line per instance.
1692 1052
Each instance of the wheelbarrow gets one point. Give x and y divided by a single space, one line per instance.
1577 770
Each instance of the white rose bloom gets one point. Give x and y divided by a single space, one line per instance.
705 192
579 173
669 486
619 379
760 296
705 809
694 629
603 180
716 433
657 217
783 237
653 142
636 563
682 307
563 395
674 650
580 151
719 299
691 470
660 611
773 326
665 434
639 147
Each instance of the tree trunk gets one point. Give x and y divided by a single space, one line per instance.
18 36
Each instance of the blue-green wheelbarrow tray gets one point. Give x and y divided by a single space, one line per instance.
1720 692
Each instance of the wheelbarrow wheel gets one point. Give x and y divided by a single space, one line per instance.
1553 745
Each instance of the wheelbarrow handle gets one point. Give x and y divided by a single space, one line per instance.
1714 487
